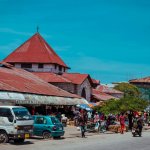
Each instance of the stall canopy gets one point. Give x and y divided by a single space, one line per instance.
22 98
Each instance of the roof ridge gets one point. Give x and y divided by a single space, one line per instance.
46 45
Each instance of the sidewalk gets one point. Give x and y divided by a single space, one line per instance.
72 132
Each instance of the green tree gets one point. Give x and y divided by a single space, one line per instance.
110 106
128 89
132 104
122 105
131 101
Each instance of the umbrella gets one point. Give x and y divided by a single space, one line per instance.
85 107
92 104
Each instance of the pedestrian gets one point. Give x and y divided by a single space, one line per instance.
58 116
130 118
82 123
96 117
76 116
122 123
140 123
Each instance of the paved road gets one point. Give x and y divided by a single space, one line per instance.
95 142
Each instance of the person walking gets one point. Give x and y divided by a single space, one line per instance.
122 123
140 124
82 123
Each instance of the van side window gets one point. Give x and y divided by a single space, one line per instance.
40 120
5 112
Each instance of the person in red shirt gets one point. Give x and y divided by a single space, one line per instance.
122 122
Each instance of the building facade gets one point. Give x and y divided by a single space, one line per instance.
36 56
144 86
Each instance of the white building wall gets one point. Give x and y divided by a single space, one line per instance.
18 65
46 68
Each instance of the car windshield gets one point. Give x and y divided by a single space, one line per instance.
22 114
55 120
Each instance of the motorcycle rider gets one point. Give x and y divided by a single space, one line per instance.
140 124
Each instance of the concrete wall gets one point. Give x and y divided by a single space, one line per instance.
87 86
66 86
77 89
46 68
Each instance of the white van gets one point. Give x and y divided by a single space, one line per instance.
15 123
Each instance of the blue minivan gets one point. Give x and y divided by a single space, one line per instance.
47 126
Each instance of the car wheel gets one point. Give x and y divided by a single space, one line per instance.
46 135
3 137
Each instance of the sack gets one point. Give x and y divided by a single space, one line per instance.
78 128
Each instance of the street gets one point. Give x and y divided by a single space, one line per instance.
95 142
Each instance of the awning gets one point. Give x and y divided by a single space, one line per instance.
23 98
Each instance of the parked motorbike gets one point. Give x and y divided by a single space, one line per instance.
136 131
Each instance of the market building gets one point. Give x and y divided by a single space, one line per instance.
20 87
76 83
111 91
144 86
36 56
104 93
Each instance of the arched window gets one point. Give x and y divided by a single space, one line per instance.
83 93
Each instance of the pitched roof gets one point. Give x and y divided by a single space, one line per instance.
96 81
19 80
141 80
34 50
51 77
76 78
102 96
106 89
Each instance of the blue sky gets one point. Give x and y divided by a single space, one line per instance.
109 39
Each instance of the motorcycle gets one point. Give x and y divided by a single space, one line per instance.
136 131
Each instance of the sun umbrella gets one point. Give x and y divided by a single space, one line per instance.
85 107
92 104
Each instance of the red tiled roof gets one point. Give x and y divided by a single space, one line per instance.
95 81
101 96
142 80
35 50
18 80
105 89
75 78
51 77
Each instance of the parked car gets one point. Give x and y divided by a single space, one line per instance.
47 126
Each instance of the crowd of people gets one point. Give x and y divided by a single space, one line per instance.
81 118
125 120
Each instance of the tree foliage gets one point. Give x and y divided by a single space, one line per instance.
131 101
124 104
128 89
